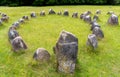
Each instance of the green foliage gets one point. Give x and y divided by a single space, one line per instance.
56 2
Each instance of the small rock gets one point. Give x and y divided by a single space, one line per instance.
41 54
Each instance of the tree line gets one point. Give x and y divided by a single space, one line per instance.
56 2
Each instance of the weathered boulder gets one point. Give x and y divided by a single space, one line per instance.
98 32
92 41
113 20
66 52
51 11
41 54
75 15
98 11
33 14
18 44
66 13
42 13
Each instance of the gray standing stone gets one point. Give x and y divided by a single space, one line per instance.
94 24
75 15
66 52
98 32
1 22
21 20
66 13
95 17
87 13
98 12
113 20
87 19
82 16
51 11
33 14
25 17
12 33
42 13
59 13
18 44
41 54
110 12
5 18
16 25
92 41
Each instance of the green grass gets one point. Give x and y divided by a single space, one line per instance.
44 32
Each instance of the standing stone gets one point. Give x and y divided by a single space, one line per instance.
87 19
66 13
66 52
98 32
1 22
5 18
12 33
59 13
110 12
33 14
51 11
75 15
95 17
25 17
82 16
94 24
98 12
21 20
42 13
15 25
87 13
113 20
41 54
92 41
18 44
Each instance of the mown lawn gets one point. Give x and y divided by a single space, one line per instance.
44 32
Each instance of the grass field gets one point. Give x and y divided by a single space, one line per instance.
44 32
